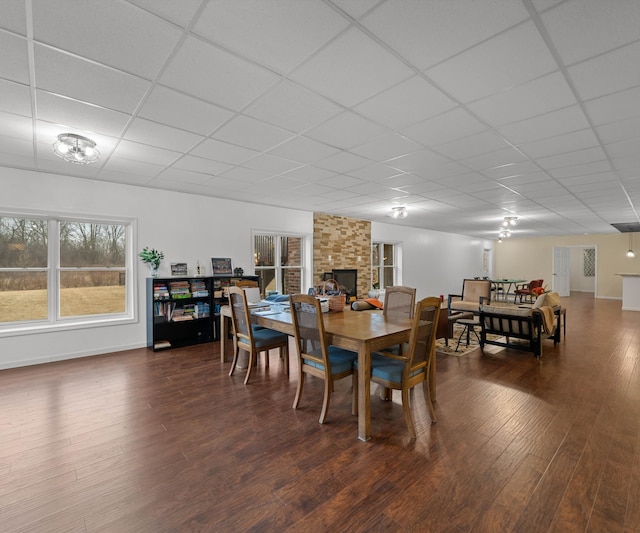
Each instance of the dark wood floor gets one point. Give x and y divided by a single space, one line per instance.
142 441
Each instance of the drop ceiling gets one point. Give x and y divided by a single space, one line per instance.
462 111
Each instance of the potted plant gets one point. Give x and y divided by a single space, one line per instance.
152 258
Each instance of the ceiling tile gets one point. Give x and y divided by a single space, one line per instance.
310 174
619 130
504 61
201 164
87 81
343 162
84 32
15 98
292 107
608 73
351 68
216 76
278 34
342 182
15 126
422 31
546 125
418 161
181 111
386 147
224 152
15 151
626 148
408 102
120 166
154 134
584 28
146 154
533 98
179 13
304 150
511 169
444 128
13 60
346 130
245 174
568 142
375 173
251 133
271 164
14 17
581 169
355 8
78 115
477 144
179 175
588 155
615 106
493 159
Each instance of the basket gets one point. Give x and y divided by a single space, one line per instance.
330 289
337 303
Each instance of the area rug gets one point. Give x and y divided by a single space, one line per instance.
463 349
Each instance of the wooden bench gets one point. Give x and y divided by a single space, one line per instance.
511 323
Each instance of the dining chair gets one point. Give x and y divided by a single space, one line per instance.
404 372
399 301
526 290
315 356
250 339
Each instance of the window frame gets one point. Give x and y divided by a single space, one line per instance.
54 322
380 266
277 235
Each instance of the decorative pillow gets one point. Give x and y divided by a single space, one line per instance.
361 305
552 299
539 301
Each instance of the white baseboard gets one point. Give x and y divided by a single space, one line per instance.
63 357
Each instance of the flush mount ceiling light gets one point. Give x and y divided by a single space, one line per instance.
510 221
398 212
76 149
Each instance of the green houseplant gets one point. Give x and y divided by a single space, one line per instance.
152 257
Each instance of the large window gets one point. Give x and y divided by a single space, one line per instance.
54 271
383 265
279 262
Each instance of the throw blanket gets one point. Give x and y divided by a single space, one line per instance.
547 318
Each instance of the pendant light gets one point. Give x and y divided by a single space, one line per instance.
630 252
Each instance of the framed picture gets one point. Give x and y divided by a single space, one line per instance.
179 269
221 266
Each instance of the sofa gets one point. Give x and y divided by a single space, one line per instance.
518 327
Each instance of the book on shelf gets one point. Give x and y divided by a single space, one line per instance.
180 289
161 344
199 288
160 291
182 318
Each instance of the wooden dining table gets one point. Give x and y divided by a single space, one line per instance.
363 332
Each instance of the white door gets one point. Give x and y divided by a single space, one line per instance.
561 278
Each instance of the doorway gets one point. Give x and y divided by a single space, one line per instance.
575 269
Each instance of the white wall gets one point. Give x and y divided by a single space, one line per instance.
434 262
190 228
186 227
